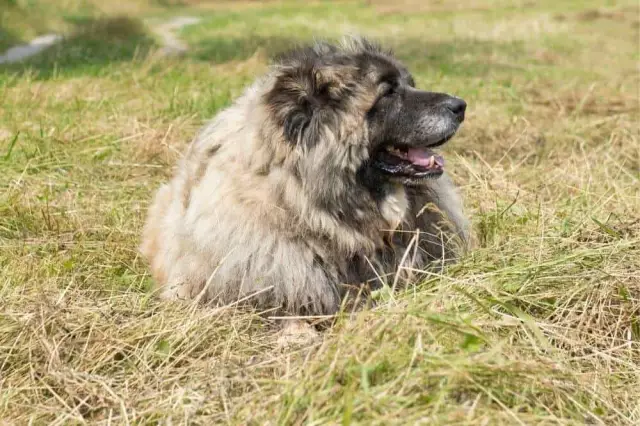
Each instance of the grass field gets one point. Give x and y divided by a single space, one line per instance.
540 324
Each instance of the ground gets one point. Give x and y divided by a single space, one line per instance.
538 325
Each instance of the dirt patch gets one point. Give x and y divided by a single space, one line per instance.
171 43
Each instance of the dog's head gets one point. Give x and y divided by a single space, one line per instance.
356 107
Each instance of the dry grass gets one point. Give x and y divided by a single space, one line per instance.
539 325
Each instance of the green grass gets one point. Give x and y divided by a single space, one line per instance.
540 324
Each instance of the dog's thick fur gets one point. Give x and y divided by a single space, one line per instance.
275 200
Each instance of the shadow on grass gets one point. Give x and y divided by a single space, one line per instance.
463 57
93 45
458 58
98 43
219 50
8 8
7 39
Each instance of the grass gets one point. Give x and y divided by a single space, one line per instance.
540 324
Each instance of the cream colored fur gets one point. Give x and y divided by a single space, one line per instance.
236 222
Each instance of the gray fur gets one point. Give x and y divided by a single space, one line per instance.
269 203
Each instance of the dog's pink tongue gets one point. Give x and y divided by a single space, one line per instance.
421 157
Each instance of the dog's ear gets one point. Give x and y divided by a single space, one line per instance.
306 94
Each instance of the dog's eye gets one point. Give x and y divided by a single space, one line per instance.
388 89
323 91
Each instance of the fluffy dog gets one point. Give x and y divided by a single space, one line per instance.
319 179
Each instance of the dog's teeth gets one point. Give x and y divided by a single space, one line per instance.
432 160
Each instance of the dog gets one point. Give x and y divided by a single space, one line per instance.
320 180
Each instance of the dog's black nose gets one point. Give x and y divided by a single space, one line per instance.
457 106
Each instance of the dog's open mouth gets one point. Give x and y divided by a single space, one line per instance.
409 162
